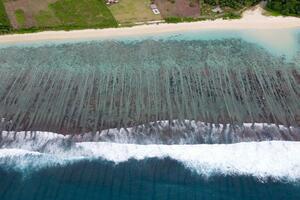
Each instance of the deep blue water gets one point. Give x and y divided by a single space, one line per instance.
52 87
139 180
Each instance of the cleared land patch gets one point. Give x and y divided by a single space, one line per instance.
59 14
31 8
131 11
179 8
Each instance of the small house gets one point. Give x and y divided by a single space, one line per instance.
217 9
154 9
109 2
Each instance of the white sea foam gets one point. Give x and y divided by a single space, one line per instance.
261 159
276 159
162 132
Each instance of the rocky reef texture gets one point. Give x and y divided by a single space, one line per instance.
93 86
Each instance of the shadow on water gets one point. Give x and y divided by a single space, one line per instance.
145 179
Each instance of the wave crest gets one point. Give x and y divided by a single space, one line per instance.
275 159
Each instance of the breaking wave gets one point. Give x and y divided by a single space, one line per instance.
258 150
278 160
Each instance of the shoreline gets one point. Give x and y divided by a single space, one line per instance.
252 19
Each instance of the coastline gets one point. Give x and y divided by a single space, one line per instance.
252 19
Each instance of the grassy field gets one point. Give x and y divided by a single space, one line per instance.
59 14
81 14
131 11
4 22
20 17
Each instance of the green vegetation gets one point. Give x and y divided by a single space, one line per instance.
20 16
70 14
284 7
183 19
231 9
60 15
46 18
132 11
175 19
81 14
4 22
271 12
232 3
232 15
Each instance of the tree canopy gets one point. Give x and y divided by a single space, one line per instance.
231 3
285 7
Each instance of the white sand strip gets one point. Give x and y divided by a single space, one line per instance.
252 19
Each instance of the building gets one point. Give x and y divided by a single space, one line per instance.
154 9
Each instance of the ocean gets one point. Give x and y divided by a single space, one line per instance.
105 170
192 115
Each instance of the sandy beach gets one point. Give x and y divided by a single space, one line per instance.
252 19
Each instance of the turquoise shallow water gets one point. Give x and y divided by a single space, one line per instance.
279 42
226 78
207 76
